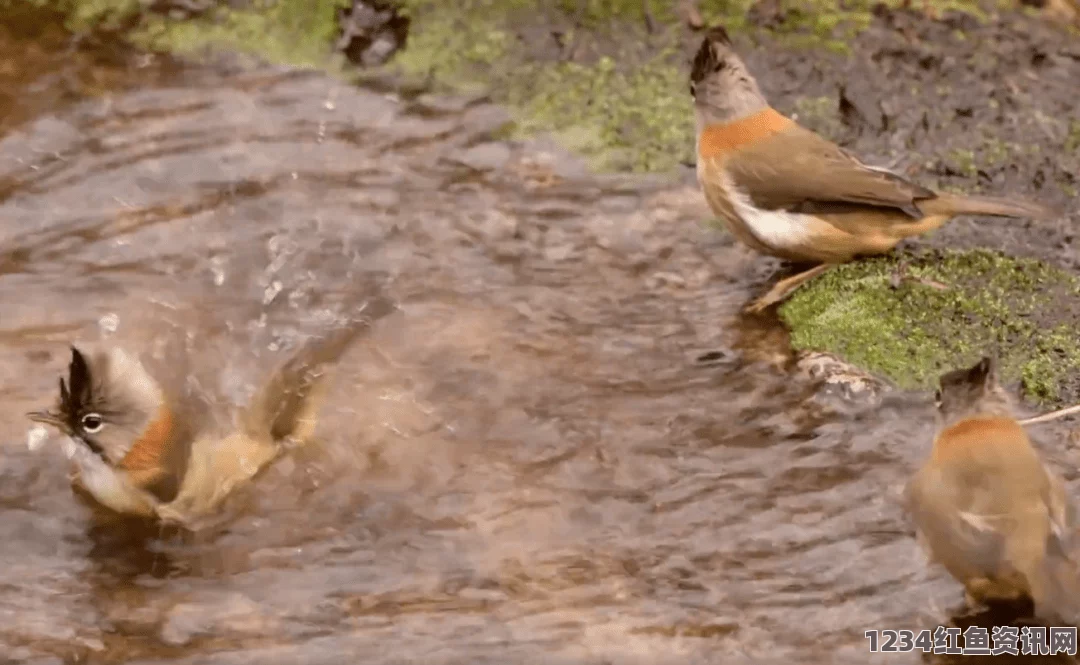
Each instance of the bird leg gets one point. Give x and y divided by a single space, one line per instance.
785 287
899 274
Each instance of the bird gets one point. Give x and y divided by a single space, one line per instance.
785 191
985 505
139 449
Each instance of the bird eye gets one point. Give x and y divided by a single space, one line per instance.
92 423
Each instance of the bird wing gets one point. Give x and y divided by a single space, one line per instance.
800 171
1062 509
960 540
1057 581
216 468
287 404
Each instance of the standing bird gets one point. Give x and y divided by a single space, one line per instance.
787 192
987 508
141 451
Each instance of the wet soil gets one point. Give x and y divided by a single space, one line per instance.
567 446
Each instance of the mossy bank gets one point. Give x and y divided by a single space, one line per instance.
944 309
606 76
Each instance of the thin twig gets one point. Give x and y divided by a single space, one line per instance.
1053 415
650 23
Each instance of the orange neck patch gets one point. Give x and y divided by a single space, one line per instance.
717 139
148 449
970 432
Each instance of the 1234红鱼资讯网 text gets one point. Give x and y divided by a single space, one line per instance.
977 641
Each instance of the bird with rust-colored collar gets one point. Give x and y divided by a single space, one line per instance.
787 192
986 507
139 451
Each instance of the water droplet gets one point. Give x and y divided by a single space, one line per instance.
36 437
109 323
217 267
296 299
272 291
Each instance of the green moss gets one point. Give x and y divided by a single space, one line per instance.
963 161
597 13
1020 309
628 111
462 48
623 119
82 15
293 32
995 152
820 114
1072 141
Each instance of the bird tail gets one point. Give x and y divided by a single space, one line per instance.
955 204
285 407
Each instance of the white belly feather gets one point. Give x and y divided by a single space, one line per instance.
108 486
773 228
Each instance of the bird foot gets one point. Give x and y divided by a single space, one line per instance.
763 303
784 288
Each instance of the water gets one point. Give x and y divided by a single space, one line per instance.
526 463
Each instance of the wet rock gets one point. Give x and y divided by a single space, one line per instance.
841 379
485 157
492 226
483 122
546 160
431 104
716 358
371 31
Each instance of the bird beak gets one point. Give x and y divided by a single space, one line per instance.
48 418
